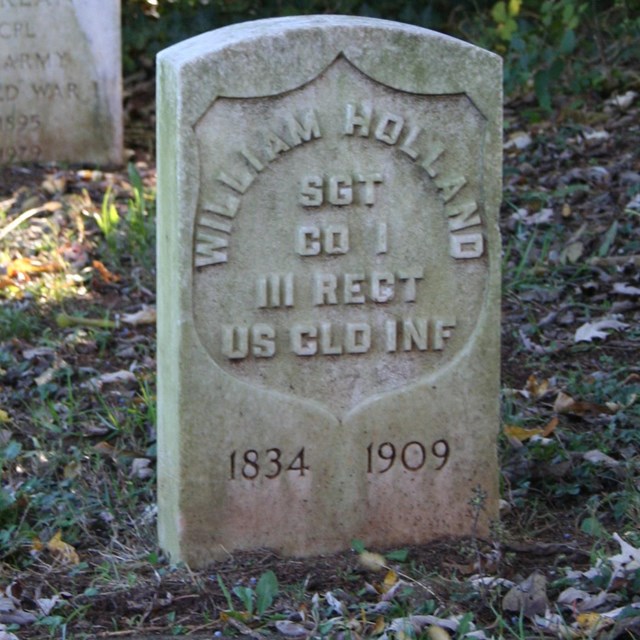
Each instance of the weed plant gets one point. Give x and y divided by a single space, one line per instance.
131 234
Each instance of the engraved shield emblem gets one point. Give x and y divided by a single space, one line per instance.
339 243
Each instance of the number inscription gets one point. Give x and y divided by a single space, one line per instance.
20 153
250 465
412 456
20 122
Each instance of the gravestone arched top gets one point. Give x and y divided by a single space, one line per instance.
257 58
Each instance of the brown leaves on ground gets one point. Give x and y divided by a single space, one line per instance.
572 190
51 228
86 365
60 550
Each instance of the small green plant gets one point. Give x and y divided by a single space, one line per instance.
15 322
129 236
55 624
8 508
140 208
477 502
254 601
108 219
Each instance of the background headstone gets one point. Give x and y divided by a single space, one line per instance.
328 287
60 81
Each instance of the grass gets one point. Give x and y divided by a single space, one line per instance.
15 323
68 446
69 465
77 454
131 234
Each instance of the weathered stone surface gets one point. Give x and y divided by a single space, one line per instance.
60 81
328 286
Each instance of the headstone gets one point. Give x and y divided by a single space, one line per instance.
60 81
328 287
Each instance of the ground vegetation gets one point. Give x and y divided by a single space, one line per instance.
78 556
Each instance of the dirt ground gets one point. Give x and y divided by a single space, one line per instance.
571 255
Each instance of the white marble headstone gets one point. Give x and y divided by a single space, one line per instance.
60 81
328 286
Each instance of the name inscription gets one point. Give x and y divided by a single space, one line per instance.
215 225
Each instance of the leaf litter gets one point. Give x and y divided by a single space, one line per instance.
77 397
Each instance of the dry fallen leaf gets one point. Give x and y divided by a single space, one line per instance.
7 603
573 252
582 601
23 266
104 273
550 427
72 470
371 561
564 403
553 624
390 579
543 216
437 633
140 468
536 388
334 603
46 605
592 622
491 582
518 140
7 635
378 627
626 289
146 315
54 184
37 352
529 597
48 375
391 593
597 457
116 377
623 101
520 433
292 629
627 561
62 550
592 330
95 429
105 448
595 136
415 624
